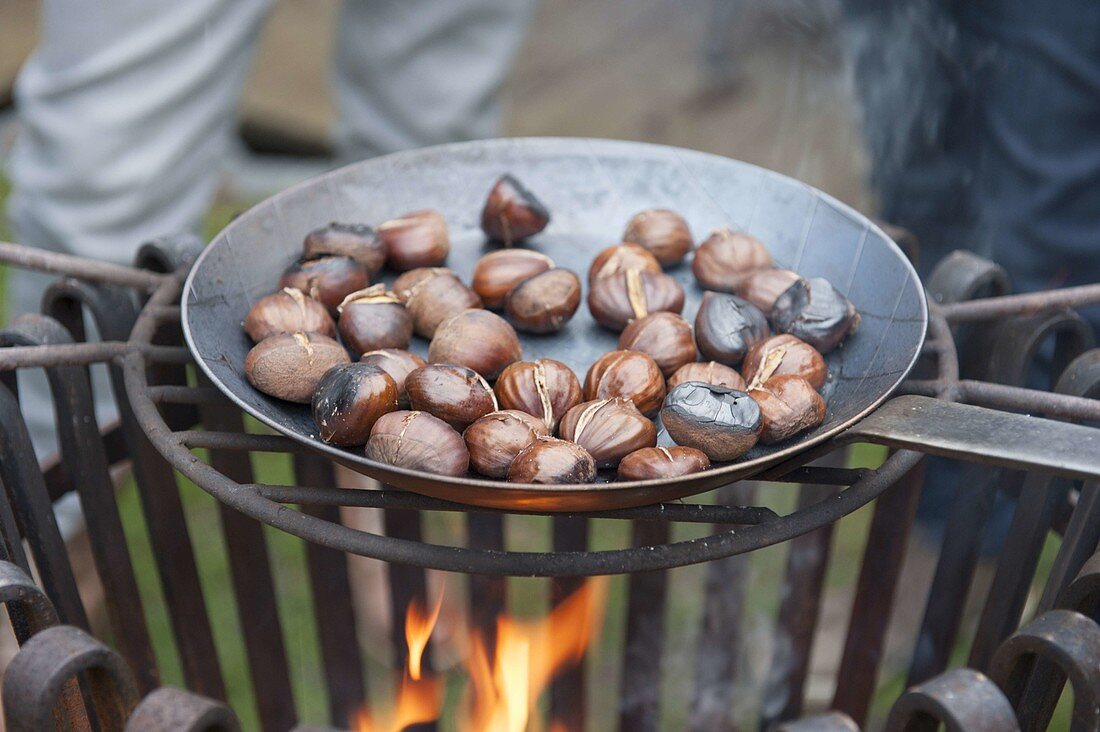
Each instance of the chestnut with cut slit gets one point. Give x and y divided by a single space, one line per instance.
651 463
727 258
609 429
434 298
664 336
398 364
495 439
726 327
617 299
418 441
631 374
349 399
785 355
327 279
552 461
788 405
456 394
478 339
498 272
289 365
406 282
816 312
374 318
708 372
664 233
722 423
417 239
512 212
546 389
358 241
621 257
287 311
546 302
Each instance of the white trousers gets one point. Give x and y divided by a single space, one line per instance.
128 106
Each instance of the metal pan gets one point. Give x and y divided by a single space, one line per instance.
591 187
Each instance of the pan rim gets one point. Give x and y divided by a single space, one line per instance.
521 492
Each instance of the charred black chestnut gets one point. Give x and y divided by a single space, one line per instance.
662 232
477 339
456 394
816 312
723 423
708 372
328 279
349 399
549 460
417 239
662 462
546 302
358 241
631 374
726 327
512 212
289 365
495 439
727 258
788 405
664 336
398 364
418 441
617 299
546 388
785 355
374 318
287 311
609 429
498 272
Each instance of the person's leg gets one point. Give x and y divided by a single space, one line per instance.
125 110
420 72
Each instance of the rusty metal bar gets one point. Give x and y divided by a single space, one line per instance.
81 354
568 696
991 308
644 644
86 269
177 394
1011 398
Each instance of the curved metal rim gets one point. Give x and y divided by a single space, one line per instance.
665 488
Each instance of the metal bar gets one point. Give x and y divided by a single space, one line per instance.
175 394
719 646
395 498
992 308
874 599
333 608
487 599
80 354
1012 398
645 637
224 440
568 697
86 269
824 474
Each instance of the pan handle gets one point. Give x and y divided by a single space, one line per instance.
977 434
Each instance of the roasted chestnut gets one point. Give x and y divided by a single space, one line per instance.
609 429
664 336
788 405
418 441
398 364
406 282
477 339
495 439
631 374
816 312
617 299
550 460
784 355
762 287
726 327
512 212
456 394
620 258
723 423
708 372
358 241
544 303
726 258
662 462
328 279
547 389
289 365
349 399
374 318
436 298
662 232
417 239
498 272
287 311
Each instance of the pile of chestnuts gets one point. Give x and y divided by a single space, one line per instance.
679 393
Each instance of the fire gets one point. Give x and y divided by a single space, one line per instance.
505 682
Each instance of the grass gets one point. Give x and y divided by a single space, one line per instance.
526 597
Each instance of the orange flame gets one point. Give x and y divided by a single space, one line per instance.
505 688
